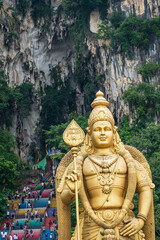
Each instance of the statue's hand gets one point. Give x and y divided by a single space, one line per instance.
120 148
133 226
71 179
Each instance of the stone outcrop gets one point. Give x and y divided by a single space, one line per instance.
42 51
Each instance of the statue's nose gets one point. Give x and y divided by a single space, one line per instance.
102 131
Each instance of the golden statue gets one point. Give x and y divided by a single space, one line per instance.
107 175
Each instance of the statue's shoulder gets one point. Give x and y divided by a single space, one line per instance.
140 160
88 168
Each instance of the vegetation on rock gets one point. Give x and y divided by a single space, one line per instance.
10 166
143 133
144 103
129 32
149 70
26 100
23 6
40 9
80 11
8 98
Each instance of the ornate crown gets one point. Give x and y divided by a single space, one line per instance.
100 110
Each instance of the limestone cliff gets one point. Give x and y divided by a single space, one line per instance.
41 50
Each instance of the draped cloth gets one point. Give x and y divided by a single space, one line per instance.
91 231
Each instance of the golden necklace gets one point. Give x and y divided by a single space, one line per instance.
103 163
105 182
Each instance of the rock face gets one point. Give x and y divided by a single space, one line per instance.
147 8
42 51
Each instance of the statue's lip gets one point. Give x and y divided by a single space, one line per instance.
102 138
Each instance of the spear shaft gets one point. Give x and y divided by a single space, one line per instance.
74 136
74 153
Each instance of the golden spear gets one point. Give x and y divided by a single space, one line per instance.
74 136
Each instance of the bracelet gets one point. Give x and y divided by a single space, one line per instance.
142 216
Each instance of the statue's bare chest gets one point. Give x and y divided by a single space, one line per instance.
104 164
103 174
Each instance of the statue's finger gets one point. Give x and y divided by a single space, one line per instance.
125 232
125 227
70 178
76 173
74 177
133 233
129 232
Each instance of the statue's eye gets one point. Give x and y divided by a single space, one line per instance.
107 129
97 129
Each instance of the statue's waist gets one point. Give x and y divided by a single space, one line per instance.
108 215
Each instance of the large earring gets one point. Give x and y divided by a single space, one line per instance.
114 144
89 148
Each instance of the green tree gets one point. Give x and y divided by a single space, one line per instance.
148 70
9 161
54 104
144 103
1 5
26 100
127 33
143 133
23 6
116 19
54 136
72 8
10 167
8 98
3 205
41 9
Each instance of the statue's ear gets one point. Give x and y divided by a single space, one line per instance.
88 130
115 128
117 138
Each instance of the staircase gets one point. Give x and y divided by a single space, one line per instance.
33 220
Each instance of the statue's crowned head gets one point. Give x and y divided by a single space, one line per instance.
100 113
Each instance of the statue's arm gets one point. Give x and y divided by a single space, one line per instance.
68 192
67 196
144 188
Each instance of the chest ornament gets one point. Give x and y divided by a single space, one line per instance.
105 162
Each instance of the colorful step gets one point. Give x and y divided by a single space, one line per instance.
18 223
42 202
35 223
23 213
39 210
46 192
19 233
52 212
26 202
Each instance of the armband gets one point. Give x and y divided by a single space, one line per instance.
142 216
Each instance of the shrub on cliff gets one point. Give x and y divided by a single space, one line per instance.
127 33
148 70
26 100
8 98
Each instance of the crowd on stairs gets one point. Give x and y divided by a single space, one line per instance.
31 212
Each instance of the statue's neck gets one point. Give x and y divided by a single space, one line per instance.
103 151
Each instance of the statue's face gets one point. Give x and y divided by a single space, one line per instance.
102 134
